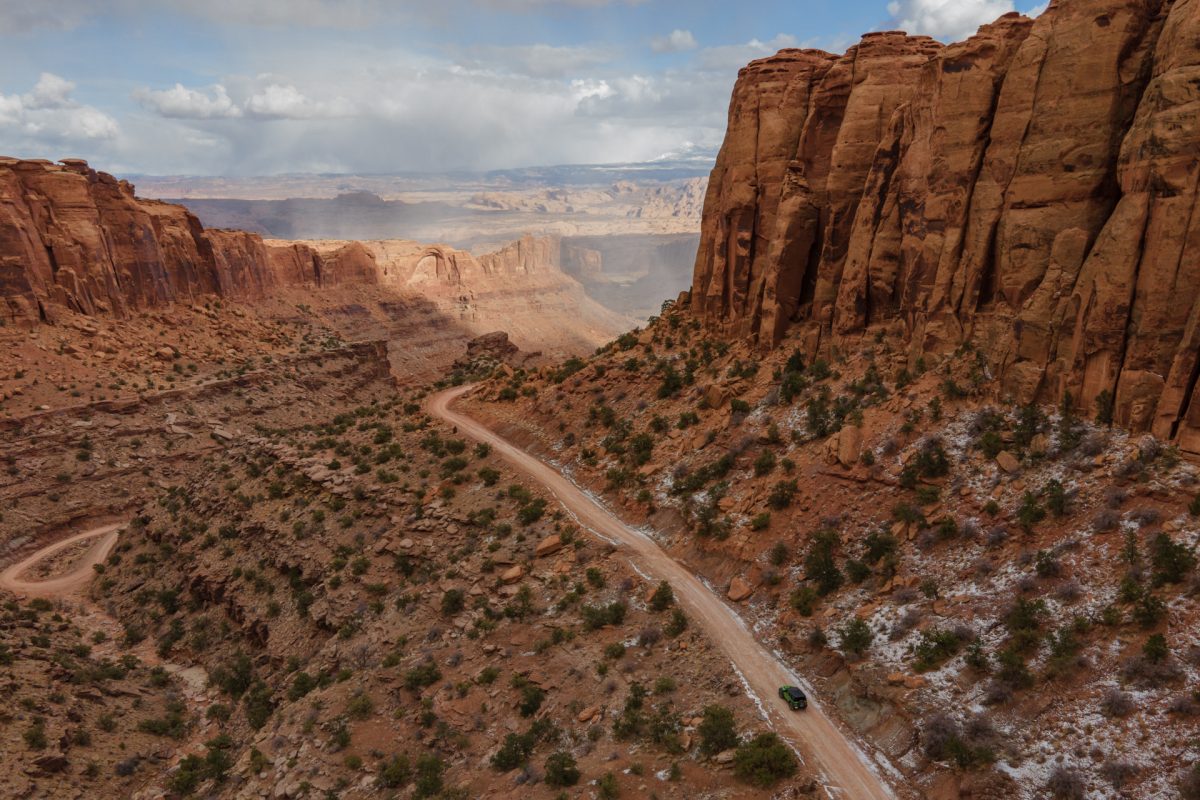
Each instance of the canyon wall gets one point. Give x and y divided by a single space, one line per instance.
77 238
74 238
1032 191
520 288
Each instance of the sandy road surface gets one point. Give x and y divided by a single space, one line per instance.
839 764
80 573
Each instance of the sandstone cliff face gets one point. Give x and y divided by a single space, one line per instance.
77 238
1031 190
520 288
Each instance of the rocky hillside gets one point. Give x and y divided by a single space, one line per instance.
1030 190
999 599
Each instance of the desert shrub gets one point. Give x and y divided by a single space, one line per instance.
943 739
1030 512
424 674
514 751
1119 773
931 460
1066 784
561 770
764 760
782 494
935 648
596 617
1172 560
428 779
453 601
819 562
857 570
677 624
607 787
1116 703
663 597
360 706
532 511
804 600
717 730
856 636
395 772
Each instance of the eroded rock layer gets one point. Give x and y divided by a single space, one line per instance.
1031 190
71 236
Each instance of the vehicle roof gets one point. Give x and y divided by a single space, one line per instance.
793 691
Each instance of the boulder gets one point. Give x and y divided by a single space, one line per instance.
739 590
1008 462
548 546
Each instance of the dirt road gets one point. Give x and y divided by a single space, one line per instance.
840 766
80 573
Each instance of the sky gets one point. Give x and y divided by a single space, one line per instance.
263 87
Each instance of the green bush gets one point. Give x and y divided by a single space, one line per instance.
561 770
935 648
453 601
595 617
394 772
764 760
514 751
663 597
429 773
820 565
782 494
677 624
424 674
717 730
856 636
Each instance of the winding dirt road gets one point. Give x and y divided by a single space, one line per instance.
69 582
840 766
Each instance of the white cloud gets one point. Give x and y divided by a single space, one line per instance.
676 41
48 113
736 56
276 101
50 91
946 20
1038 10
179 102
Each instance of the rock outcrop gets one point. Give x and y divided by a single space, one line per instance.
74 237
1031 190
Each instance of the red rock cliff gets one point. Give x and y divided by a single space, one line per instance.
74 237
1032 190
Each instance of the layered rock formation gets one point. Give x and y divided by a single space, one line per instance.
521 288
1031 190
74 237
